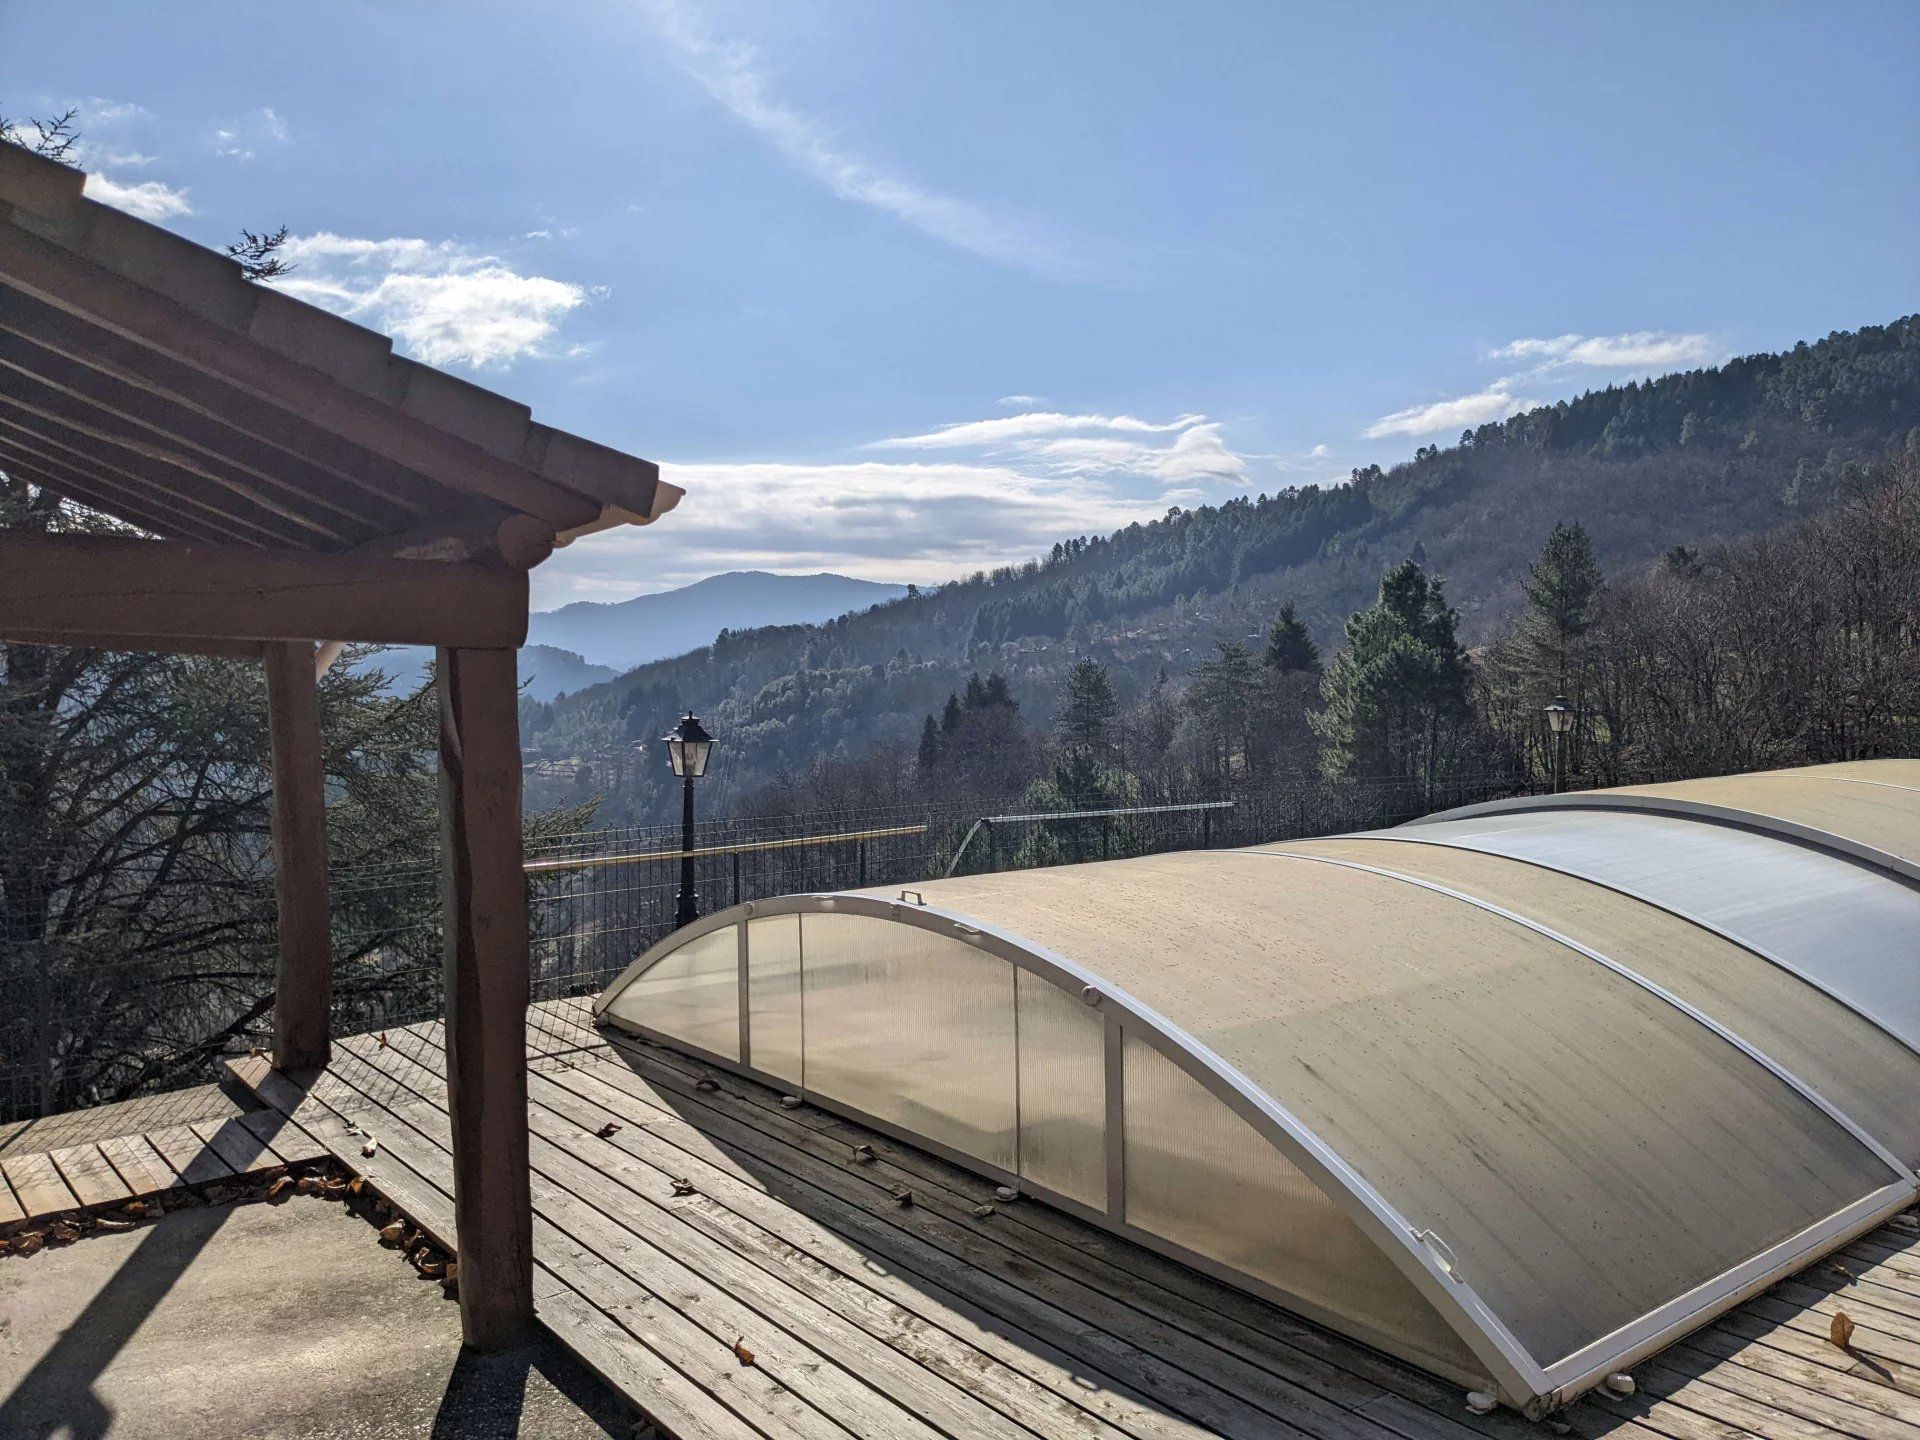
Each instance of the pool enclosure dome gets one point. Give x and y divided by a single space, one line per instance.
1518 1093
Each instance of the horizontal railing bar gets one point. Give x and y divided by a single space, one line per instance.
1097 814
592 862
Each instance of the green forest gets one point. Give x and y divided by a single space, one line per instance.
1698 463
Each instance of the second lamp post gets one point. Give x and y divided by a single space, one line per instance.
688 746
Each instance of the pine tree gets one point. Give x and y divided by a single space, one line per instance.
1563 587
1223 698
1087 711
929 757
1397 698
1289 647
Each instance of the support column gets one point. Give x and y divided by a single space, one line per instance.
484 904
303 992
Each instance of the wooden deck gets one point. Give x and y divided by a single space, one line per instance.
41 1187
739 1269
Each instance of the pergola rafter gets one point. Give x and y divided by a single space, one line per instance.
304 487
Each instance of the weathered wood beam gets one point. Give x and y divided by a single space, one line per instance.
166 464
484 915
509 541
76 588
303 993
172 398
55 276
130 640
89 490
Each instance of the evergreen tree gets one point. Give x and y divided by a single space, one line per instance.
1289 647
929 757
1563 586
1397 698
1223 699
1087 711
950 715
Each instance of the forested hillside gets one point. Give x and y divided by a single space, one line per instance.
1692 460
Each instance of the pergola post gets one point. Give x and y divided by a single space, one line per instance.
303 994
484 903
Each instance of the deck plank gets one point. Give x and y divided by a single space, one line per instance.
192 1159
10 1212
236 1144
38 1186
139 1166
90 1175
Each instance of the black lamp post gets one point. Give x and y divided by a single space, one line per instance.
688 746
1560 716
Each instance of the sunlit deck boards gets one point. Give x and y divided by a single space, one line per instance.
39 1186
713 1223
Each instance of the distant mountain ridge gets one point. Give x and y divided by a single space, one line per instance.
626 633
1692 459
546 672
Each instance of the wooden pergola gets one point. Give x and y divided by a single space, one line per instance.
304 487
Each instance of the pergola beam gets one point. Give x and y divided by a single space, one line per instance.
75 589
91 292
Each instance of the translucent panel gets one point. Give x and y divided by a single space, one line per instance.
773 995
691 994
1202 1177
1904 773
913 1028
1587 1151
1848 928
1063 1091
1847 1058
1885 817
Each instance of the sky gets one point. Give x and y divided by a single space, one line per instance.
908 290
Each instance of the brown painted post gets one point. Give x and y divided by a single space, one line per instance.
303 993
484 903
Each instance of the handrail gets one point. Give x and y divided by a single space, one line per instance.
989 821
593 862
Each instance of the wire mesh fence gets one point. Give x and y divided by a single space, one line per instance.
121 985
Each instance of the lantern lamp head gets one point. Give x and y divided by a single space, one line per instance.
688 747
1559 715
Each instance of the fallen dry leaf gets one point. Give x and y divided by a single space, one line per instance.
863 1153
382 1038
393 1233
1840 1332
983 1211
280 1187
356 1185
63 1232
450 1281
706 1082
741 1352
28 1242
608 1130
683 1187
371 1146
901 1194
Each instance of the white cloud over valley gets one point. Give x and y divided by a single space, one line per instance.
1636 350
1458 413
148 199
445 303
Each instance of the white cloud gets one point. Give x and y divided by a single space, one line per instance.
444 303
1635 350
730 71
1020 402
1197 455
149 199
1027 426
243 138
920 521
1461 412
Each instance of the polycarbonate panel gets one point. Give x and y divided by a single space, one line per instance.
1199 1175
913 1028
1587 1151
1850 929
1885 817
1856 1065
1063 1091
773 996
691 993
1904 773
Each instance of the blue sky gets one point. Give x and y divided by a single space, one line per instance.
904 290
